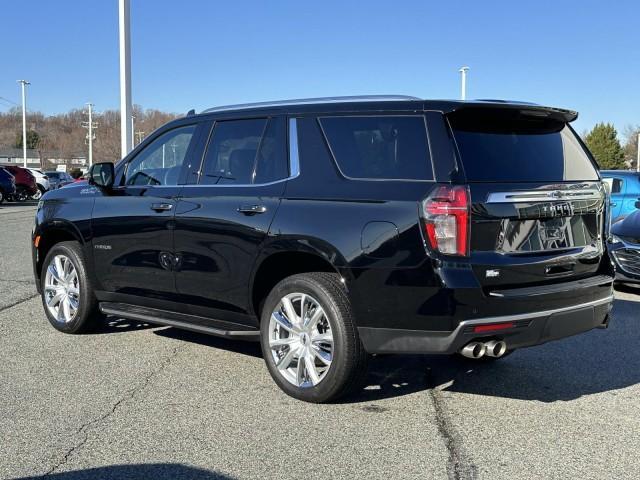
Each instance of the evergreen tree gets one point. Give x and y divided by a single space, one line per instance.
32 139
605 147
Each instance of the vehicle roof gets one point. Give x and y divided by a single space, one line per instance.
620 173
375 103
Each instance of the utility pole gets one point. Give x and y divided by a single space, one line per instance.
139 137
133 140
463 91
126 130
90 136
638 157
24 83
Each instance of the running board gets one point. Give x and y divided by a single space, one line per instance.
184 321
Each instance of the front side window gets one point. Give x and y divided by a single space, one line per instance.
246 152
160 163
380 147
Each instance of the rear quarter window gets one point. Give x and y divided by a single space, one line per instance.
379 147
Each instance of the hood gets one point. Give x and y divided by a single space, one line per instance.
629 227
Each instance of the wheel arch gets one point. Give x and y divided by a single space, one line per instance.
280 261
52 234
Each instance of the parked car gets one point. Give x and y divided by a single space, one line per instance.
7 185
26 185
625 191
331 229
42 182
625 247
59 179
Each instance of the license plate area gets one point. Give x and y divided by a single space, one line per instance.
547 234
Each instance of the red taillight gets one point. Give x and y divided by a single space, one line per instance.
492 327
446 214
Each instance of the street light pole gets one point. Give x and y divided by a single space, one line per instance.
638 157
90 105
463 90
24 83
126 130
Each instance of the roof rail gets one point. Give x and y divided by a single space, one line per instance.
304 101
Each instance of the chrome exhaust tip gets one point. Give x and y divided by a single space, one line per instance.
473 350
495 348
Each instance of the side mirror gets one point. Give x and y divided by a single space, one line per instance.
102 175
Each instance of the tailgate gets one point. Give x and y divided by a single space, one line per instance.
537 201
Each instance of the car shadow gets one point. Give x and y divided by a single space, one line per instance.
9 205
155 471
248 348
593 362
121 325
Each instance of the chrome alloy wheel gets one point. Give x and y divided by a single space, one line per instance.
300 340
62 289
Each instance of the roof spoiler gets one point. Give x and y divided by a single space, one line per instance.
524 109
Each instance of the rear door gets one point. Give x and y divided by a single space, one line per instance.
618 187
223 218
537 201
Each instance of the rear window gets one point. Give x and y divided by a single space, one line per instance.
379 147
509 146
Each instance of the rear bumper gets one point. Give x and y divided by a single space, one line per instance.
528 329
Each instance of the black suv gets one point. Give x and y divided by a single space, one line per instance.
330 229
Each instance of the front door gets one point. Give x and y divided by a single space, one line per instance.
223 218
133 223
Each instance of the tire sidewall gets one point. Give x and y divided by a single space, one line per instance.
332 383
38 194
73 252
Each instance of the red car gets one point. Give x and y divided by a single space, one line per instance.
25 182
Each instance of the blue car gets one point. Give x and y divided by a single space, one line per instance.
625 192
624 247
7 185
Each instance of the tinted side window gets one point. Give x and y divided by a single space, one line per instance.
160 162
231 154
272 161
244 152
379 147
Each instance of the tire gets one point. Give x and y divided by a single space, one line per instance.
21 195
38 194
1 196
82 314
348 359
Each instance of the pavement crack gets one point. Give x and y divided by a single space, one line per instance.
18 302
459 464
85 428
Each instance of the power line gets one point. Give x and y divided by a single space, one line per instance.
9 101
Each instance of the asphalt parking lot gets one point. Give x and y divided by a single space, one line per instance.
134 401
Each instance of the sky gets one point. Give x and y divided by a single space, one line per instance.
583 55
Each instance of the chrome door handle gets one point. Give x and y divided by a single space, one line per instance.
252 209
161 207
